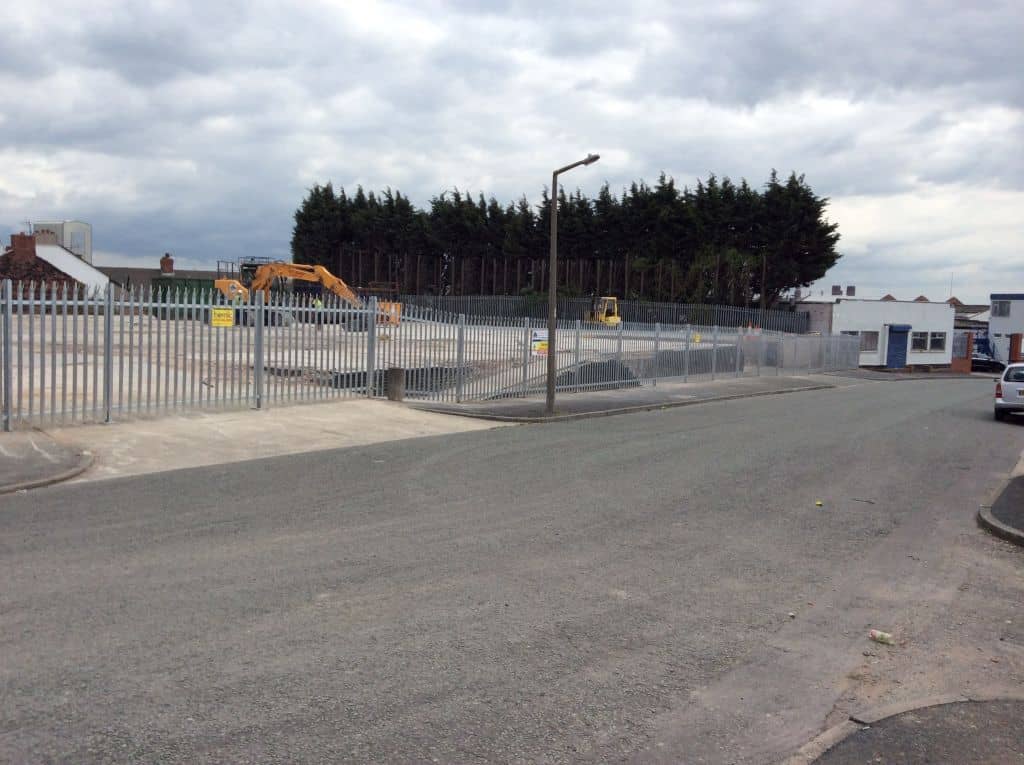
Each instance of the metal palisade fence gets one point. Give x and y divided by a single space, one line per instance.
70 357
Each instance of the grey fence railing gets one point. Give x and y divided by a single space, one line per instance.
536 307
68 357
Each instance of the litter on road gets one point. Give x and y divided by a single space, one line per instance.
881 637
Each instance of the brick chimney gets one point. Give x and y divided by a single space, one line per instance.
167 265
20 263
45 236
23 247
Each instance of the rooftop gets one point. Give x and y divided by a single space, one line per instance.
887 299
67 262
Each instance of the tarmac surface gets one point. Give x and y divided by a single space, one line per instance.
967 733
685 585
142 446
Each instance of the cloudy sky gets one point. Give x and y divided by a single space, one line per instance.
196 127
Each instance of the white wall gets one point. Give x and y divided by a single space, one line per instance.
1004 326
820 317
73 235
877 315
78 239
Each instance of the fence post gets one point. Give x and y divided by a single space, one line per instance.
657 348
371 347
714 351
618 352
739 344
686 356
460 356
579 352
527 350
259 364
8 362
108 353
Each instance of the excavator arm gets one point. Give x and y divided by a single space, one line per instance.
266 274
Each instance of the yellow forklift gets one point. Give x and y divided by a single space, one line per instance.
604 310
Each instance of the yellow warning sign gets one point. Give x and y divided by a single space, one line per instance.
222 317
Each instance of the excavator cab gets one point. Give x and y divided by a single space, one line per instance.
232 290
604 310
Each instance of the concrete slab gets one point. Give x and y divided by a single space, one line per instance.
897 376
968 732
1008 509
171 443
594 403
30 458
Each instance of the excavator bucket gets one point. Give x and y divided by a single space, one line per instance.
391 313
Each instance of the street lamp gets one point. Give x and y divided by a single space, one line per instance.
549 409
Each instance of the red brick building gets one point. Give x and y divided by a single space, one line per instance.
37 262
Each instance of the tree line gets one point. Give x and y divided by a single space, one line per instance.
719 242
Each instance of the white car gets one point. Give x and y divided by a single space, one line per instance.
1010 391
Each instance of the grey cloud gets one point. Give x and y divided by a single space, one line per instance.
847 47
217 117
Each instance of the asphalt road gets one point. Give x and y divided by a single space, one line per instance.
593 590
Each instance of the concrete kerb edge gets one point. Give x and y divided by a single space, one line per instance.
821 743
621 410
989 522
829 738
85 460
997 528
919 377
874 714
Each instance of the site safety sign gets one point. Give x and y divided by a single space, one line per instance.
539 342
222 317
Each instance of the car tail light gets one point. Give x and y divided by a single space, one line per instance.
999 390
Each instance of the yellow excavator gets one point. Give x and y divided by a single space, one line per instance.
265 275
604 310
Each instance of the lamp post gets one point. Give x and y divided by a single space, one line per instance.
549 408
